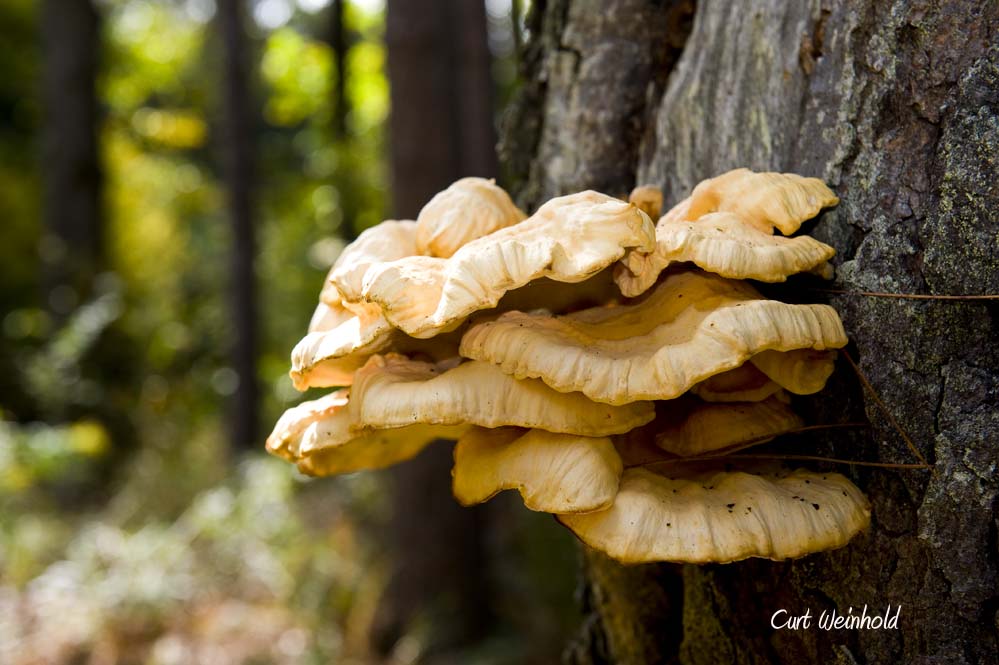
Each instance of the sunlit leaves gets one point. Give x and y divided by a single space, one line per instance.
154 49
182 129
299 72
38 453
165 234
367 86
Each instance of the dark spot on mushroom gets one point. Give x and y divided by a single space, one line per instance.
815 506
730 505
808 482
749 509
844 492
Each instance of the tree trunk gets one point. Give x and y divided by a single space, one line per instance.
72 246
441 129
896 106
441 92
239 173
339 46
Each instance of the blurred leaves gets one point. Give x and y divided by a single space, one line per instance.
39 453
238 572
20 197
368 90
187 560
299 73
153 54
53 375
171 129
127 531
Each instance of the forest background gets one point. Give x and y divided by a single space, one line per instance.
176 176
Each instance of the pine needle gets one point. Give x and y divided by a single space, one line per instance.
907 296
884 409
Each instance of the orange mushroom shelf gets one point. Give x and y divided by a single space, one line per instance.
563 348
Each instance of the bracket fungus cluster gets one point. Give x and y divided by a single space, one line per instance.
596 362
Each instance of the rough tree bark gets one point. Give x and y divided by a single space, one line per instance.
896 106
239 174
441 128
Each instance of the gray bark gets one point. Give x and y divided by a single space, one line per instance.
896 106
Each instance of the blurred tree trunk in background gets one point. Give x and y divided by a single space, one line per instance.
343 178
896 106
238 156
97 379
441 129
441 90
72 241
339 45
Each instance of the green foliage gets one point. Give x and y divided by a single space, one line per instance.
35 454
327 189
153 55
53 374
183 545
128 532
299 74
239 569
20 191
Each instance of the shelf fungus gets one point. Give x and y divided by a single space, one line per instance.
345 332
696 427
727 227
369 449
317 437
468 209
394 391
330 312
692 326
605 367
356 429
384 242
568 239
745 383
285 440
764 200
330 357
719 517
554 473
